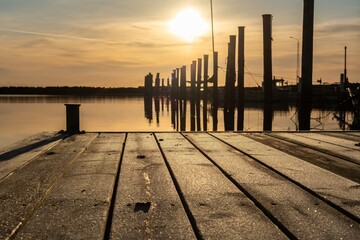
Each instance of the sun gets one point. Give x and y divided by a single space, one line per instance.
189 25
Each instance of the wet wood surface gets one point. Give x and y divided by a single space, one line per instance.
215 185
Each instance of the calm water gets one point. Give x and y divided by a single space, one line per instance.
22 116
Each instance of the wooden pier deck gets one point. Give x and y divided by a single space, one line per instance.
225 185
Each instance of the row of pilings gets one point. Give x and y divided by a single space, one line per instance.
178 90
200 80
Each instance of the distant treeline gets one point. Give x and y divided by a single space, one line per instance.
78 91
139 91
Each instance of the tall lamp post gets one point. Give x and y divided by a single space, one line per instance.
215 71
297 59
212 26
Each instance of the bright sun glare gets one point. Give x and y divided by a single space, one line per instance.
188 25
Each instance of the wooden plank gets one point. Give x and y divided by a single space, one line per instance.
354 133
332 163
303 214
331 140
337 150
147 204
77 207
22 152
342 135
22 193
340 191
27 141
219 208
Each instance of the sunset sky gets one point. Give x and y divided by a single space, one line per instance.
110 43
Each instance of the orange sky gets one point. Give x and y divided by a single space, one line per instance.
116 43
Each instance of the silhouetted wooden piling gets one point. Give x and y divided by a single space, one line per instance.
205 90
226 93
183 99
177 81
177 99
343 95
267 48
215 104
198 95
241 65
229 98
162 87
157 85
306 66
174 98
192 95
183 83
168 89
173 83
148 84
232 78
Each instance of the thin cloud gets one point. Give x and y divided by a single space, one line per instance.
83 65
344 26
155 45
37 43
340 28
58 35
140 27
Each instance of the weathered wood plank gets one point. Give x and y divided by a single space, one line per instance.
27 141
354 133
337 150
332 163
341 191
22 193
77 207
343 135
147 204
20 153
303 214
348 144
220 209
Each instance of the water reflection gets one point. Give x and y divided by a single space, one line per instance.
256 117
215 117
268 116
22 116
148 108
157 110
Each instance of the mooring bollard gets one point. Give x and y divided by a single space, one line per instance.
72 118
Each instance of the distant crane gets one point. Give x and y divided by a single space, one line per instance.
297 59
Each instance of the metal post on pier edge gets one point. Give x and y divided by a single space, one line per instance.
72 118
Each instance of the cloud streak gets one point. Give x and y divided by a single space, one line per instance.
345 26
58 35
133 44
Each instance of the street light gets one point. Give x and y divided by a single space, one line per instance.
212 26
297 59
